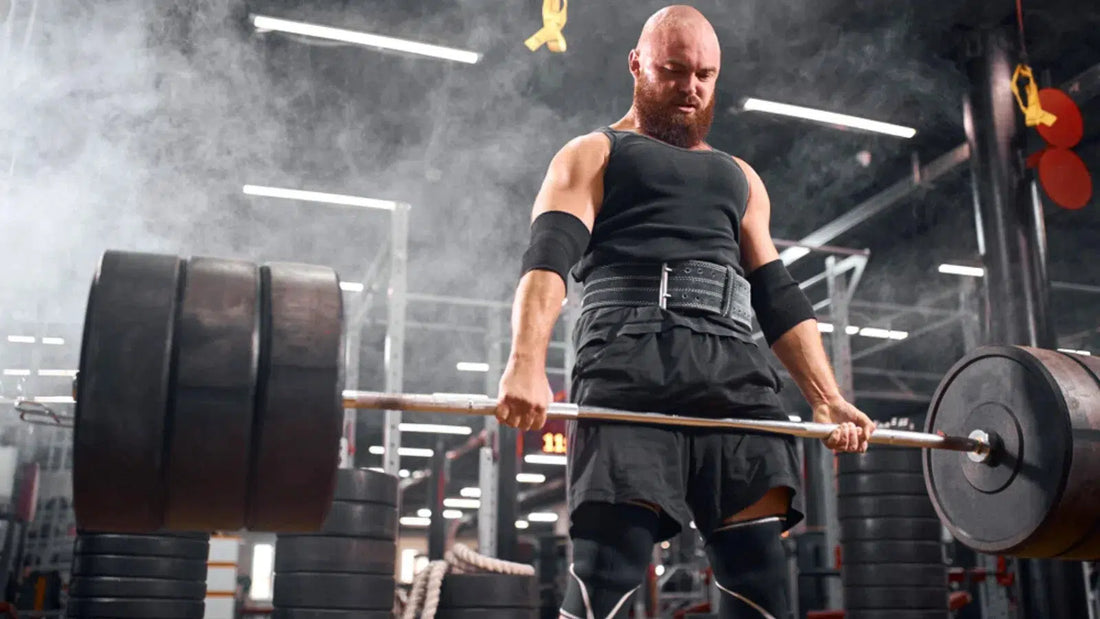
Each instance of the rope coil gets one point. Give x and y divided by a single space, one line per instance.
424 596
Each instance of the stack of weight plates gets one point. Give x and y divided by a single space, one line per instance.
159 576
488 596
346 570
892 554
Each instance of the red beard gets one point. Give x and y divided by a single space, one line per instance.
664 121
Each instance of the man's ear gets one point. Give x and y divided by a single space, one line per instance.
634 62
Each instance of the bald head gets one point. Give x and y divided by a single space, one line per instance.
675 68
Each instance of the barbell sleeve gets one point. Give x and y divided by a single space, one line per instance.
477 404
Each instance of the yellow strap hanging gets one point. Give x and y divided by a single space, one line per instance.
553 20
1034 114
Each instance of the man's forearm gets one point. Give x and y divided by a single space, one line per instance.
538 302
803 354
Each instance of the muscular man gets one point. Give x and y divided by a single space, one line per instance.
670 239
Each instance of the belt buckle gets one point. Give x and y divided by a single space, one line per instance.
662 289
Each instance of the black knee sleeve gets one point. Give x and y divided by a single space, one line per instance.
612 548
750 569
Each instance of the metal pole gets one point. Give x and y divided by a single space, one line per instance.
395 333
488 471
841 345
437 529
1012 242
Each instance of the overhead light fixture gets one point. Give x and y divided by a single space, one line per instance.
522 524
17 372
435 428
262 22
452 514
316 196
471 366
824 327
544 459
415 521
21 339
1072 351
470 493
415 452
53 341
958 269
830 118
873 332
530 478
55 399
351 286
424 512
462 503
542 517
64 373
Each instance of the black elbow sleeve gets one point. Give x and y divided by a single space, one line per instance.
558 240
777 300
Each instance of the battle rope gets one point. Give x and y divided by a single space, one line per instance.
424 597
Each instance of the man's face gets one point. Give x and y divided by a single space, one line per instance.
674 81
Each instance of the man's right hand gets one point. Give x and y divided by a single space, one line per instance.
524 396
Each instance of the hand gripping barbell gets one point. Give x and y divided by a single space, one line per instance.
210 398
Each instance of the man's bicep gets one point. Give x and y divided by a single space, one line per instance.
757 248
574 180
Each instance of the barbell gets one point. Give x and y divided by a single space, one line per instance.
210 397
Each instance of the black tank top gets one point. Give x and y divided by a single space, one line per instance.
662 203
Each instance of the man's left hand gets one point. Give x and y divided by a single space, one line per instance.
854 428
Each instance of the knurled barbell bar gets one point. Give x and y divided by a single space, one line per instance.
201 377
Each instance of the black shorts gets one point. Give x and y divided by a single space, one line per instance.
692 474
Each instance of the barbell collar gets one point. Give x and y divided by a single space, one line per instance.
478 404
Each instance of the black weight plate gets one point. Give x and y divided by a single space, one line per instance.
139 567
853 553
856 484
1038 497
894 575
371 520
487 613
912 598
299 400
123 391
877 460
141 545
136 608
315 553
116 587
318 613
891 528
334 591
217 353
365 486
885 506
489 591
897 614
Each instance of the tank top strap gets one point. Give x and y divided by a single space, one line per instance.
612 135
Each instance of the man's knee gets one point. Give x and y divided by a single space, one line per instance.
612 548
750 569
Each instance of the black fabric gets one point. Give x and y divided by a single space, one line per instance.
557 241
612 548
699 474
750 569
778 301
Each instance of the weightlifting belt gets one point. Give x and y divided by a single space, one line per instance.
688 285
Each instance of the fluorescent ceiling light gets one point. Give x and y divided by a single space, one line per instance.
21 339
351 286
415 521
66 373
316 196
544 459
850 330
417 452
55 399
1076 352
435 428
831 118
542 517
54 341
522 524
825 327
874 332
17 372
530 478
403 473
452 514
424 512
958 269
470 493
471 366
261 22
462 503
